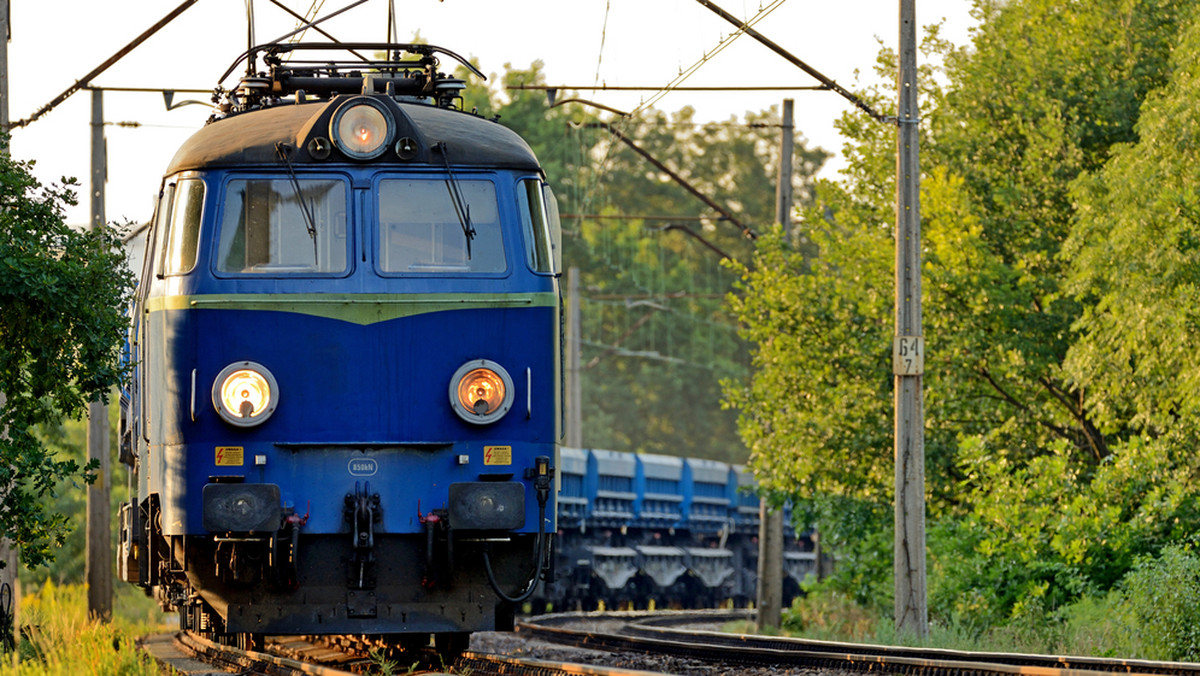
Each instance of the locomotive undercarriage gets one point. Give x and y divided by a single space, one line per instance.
297 583
406 595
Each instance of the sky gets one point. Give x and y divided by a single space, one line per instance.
580 43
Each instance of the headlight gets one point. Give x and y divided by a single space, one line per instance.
361 128
481 392
245 394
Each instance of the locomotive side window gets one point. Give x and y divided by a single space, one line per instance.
183 228
535 222
424 226
273 226
552 219
156 241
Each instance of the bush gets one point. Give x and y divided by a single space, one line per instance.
1162 605
1047 533
1095 625
858 534
830 616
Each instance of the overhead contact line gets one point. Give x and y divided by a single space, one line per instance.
795 61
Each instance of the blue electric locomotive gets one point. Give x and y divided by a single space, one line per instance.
346 403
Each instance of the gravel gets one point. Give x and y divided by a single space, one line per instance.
516 645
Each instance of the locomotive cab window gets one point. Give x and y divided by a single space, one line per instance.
555 223
539 218
182 226
439 226
276 226
533 220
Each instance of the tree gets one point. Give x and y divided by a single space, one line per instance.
62 292
1043 97
1135 250
657 337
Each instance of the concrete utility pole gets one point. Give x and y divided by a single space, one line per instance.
574 345
8 549
908 349
769 599
99 548
5 34
783 187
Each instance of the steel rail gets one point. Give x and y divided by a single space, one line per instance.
641 634
490 663
249 661
1062 662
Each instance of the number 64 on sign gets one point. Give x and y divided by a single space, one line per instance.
908 355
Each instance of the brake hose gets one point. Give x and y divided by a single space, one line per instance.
541 548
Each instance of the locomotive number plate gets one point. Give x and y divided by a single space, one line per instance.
230 456
362 467
497 455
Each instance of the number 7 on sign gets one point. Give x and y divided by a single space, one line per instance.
908 355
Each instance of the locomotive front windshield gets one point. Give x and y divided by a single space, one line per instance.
439 225
281 225
425 225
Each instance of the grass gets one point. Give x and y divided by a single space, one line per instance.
59 640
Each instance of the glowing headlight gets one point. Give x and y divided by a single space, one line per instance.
481 392
245 394
362 128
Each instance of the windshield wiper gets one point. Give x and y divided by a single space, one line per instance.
309 222
461 208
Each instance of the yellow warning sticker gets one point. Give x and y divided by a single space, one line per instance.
497 455
230 456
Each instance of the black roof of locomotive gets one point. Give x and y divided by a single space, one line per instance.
442 135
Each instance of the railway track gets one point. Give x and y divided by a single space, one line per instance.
676 643
188 653
664 634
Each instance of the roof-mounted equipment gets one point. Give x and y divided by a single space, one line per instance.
404 71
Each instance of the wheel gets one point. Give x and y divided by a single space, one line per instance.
248 641
411 643
451 646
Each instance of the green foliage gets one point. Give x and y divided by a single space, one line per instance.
858 534
1043 533
1163 605
68 441
1136 252
61 326
381 664
1094 625
830 616
657 339
815 415
1041 98
1053 461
